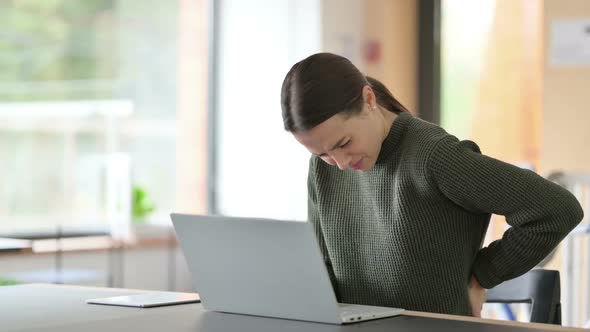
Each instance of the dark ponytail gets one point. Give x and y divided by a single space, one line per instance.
384 97
323 85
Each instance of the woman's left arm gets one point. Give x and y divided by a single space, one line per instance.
540 212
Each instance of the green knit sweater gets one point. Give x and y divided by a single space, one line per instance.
409 232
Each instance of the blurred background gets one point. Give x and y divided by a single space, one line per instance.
115 113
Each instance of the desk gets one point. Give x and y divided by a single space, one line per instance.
15 245
53 308
58 232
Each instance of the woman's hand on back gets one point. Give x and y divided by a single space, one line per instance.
477 296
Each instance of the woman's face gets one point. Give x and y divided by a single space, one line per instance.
347 142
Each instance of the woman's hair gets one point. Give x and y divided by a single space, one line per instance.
324 85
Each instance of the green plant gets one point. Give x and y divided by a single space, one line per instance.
8 282
141 205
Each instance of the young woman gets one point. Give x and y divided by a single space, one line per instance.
401 207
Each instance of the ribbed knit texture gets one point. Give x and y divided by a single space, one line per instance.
408 233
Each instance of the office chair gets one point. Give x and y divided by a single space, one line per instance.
540 288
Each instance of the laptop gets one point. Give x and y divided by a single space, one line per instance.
265 268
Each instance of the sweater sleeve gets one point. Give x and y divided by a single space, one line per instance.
314 218
540 212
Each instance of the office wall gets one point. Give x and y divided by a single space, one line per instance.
192 93
394 26
342 29
566 110
565 135
379 37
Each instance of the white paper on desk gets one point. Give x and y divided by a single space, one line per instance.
570 43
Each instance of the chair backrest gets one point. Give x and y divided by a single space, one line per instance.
540 288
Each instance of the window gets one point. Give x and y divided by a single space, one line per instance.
84 85
261 169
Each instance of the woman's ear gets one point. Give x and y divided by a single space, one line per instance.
369 97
